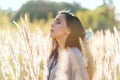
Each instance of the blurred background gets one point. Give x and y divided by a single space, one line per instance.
94 14
24 48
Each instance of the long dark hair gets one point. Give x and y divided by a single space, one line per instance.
77 31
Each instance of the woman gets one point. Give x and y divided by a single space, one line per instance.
65 61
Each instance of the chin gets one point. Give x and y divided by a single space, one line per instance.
52 36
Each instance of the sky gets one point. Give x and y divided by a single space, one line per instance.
90 4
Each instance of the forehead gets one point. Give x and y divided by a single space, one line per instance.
60 17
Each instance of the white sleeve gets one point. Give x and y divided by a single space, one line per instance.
81 64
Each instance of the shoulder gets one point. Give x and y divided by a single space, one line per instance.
76 54
73 52
76 51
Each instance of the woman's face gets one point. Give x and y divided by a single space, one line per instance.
59 27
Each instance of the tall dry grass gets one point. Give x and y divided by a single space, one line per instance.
102 53
23 54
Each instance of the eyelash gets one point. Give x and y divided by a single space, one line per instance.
58 22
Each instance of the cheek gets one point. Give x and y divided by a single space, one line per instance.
58 31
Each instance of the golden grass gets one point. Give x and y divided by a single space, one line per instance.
23 54
102 52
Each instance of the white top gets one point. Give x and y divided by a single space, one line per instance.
70 66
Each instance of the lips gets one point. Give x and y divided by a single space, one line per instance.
51 30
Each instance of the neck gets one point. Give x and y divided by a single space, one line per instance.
61 41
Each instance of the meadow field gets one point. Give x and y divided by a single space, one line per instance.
23 52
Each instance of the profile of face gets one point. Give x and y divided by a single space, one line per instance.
59 27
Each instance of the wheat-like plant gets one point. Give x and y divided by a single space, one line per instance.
102 52
23 54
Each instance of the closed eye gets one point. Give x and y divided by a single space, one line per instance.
58 22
